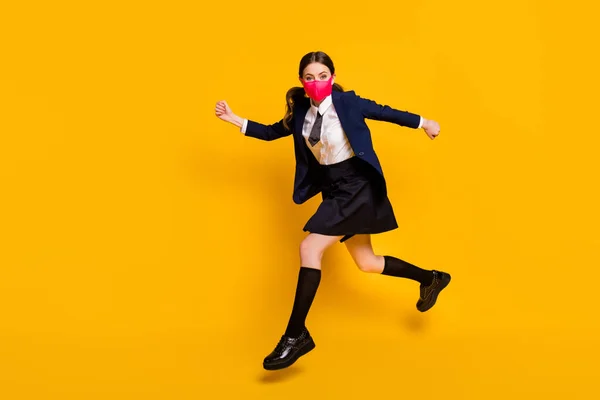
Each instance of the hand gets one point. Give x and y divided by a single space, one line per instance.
223 111
432 128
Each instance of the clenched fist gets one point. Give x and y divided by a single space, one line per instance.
223 111
432 128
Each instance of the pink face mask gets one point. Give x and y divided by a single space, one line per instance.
318 90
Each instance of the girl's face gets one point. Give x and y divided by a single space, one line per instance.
316 71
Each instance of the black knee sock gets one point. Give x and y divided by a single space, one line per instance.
396 267
306 289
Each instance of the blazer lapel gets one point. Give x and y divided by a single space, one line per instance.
338 103
300 111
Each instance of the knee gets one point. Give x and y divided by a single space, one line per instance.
310 251
370 264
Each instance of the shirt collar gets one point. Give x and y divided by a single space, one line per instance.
322 107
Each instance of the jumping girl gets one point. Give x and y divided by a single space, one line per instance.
335 157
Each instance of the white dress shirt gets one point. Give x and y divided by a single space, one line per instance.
333 147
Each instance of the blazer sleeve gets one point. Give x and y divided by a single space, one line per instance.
372 110
266 132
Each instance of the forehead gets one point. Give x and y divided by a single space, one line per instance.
316 69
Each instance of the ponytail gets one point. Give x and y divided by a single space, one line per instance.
292 96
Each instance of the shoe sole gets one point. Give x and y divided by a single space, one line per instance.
305 349
435 295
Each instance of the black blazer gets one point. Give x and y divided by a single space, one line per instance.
352 111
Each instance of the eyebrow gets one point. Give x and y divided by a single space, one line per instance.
322 72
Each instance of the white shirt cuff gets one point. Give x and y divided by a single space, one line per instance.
420 123
244 125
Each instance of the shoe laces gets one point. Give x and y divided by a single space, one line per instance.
426 290
281 345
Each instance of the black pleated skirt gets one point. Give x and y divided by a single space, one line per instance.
354 201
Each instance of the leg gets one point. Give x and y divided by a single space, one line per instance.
361 250
296 340
312 249
432 282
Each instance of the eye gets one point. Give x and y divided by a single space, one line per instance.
309 78
324 77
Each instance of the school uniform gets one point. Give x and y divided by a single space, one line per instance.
335 157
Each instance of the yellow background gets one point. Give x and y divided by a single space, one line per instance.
150 251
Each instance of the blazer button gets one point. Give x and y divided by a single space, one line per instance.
361 154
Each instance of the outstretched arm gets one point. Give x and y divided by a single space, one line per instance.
265 132
372 110
251 128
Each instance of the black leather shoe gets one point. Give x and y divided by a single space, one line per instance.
288 350
429 294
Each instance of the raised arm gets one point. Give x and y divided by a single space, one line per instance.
251 128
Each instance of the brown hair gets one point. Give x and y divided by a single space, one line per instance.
296 93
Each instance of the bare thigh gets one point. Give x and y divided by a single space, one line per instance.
361 250
313 247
